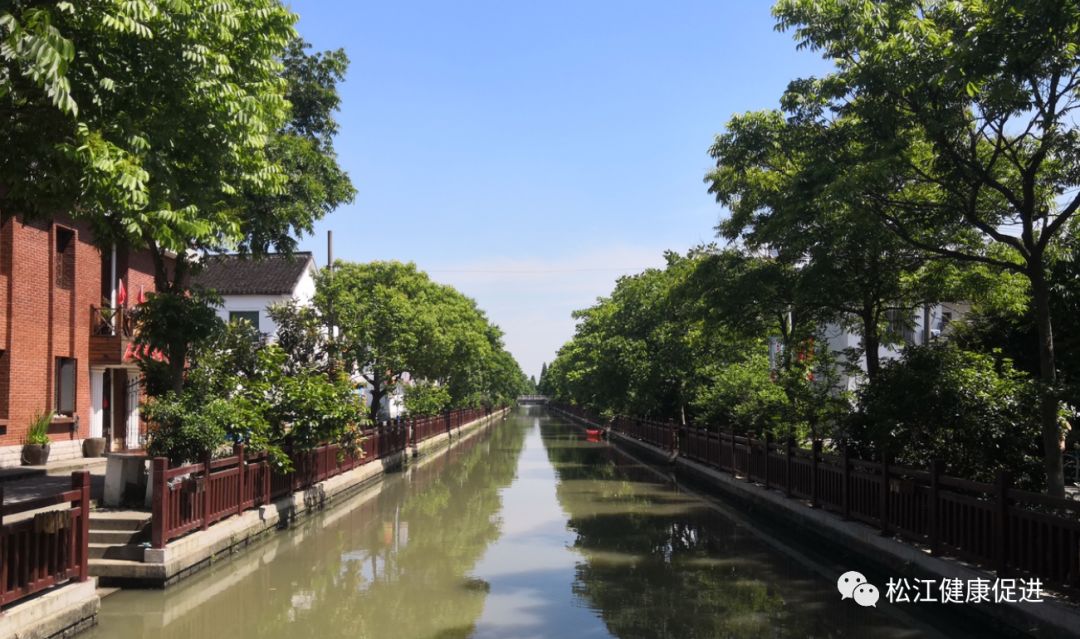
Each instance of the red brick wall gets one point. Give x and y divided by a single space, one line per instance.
40 320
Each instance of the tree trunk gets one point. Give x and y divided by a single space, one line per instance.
377 394
1048 402
178 349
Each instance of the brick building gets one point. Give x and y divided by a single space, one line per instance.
64 340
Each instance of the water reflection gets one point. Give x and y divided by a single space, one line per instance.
394 563
525 531
658 563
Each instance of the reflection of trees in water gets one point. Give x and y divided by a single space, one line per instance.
658 564
422 590
364 576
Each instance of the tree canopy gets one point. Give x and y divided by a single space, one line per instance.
391 322
182 127
936 162
965 112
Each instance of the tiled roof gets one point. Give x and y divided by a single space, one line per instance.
273 274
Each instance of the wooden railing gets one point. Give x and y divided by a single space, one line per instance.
196 496
42 550
656 433
112 321
992 524
424 428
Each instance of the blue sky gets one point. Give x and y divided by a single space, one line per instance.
529 153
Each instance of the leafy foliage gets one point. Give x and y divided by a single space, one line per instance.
390 320
182 127
240 391
966 116
689 343
426 398
37 433
973 411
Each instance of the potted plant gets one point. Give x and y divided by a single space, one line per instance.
94 447
35 451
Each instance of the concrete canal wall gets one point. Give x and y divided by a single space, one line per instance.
58 613
180 558
1051 618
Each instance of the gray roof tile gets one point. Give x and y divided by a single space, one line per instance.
274 274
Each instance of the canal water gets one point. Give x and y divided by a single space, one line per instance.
524 530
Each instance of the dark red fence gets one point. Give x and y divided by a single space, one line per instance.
996 525
196 496
656 433
46 548
423 428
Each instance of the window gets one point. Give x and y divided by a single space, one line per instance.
65 386
252 317
943 323
64 256
900 327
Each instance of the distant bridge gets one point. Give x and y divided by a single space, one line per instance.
528 400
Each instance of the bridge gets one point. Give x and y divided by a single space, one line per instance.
531 400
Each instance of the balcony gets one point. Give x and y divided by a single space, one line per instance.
112 332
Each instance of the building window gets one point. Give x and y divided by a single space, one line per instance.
65 386
943 323
64 256
251 317
901 328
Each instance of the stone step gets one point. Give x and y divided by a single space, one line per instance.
116 551
119 520
117 571
119 537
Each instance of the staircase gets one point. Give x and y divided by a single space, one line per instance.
117 536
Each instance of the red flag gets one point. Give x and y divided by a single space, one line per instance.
121 294
141 299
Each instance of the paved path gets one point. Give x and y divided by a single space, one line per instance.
56 481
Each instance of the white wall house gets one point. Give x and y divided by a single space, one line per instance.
248 287
924 324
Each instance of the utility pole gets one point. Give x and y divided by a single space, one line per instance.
331 334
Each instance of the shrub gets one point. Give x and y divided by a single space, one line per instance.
237 390
426 398
973 411
743 396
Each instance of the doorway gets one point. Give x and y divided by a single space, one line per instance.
115 408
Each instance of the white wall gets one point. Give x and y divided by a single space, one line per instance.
303 293
393 403
235 303
839 338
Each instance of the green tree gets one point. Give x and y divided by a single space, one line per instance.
392 320
973 104
542 383
973 411
265 396
426 398
790 191
385 323
631 352
176 126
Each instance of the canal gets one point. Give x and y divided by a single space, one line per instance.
523 530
